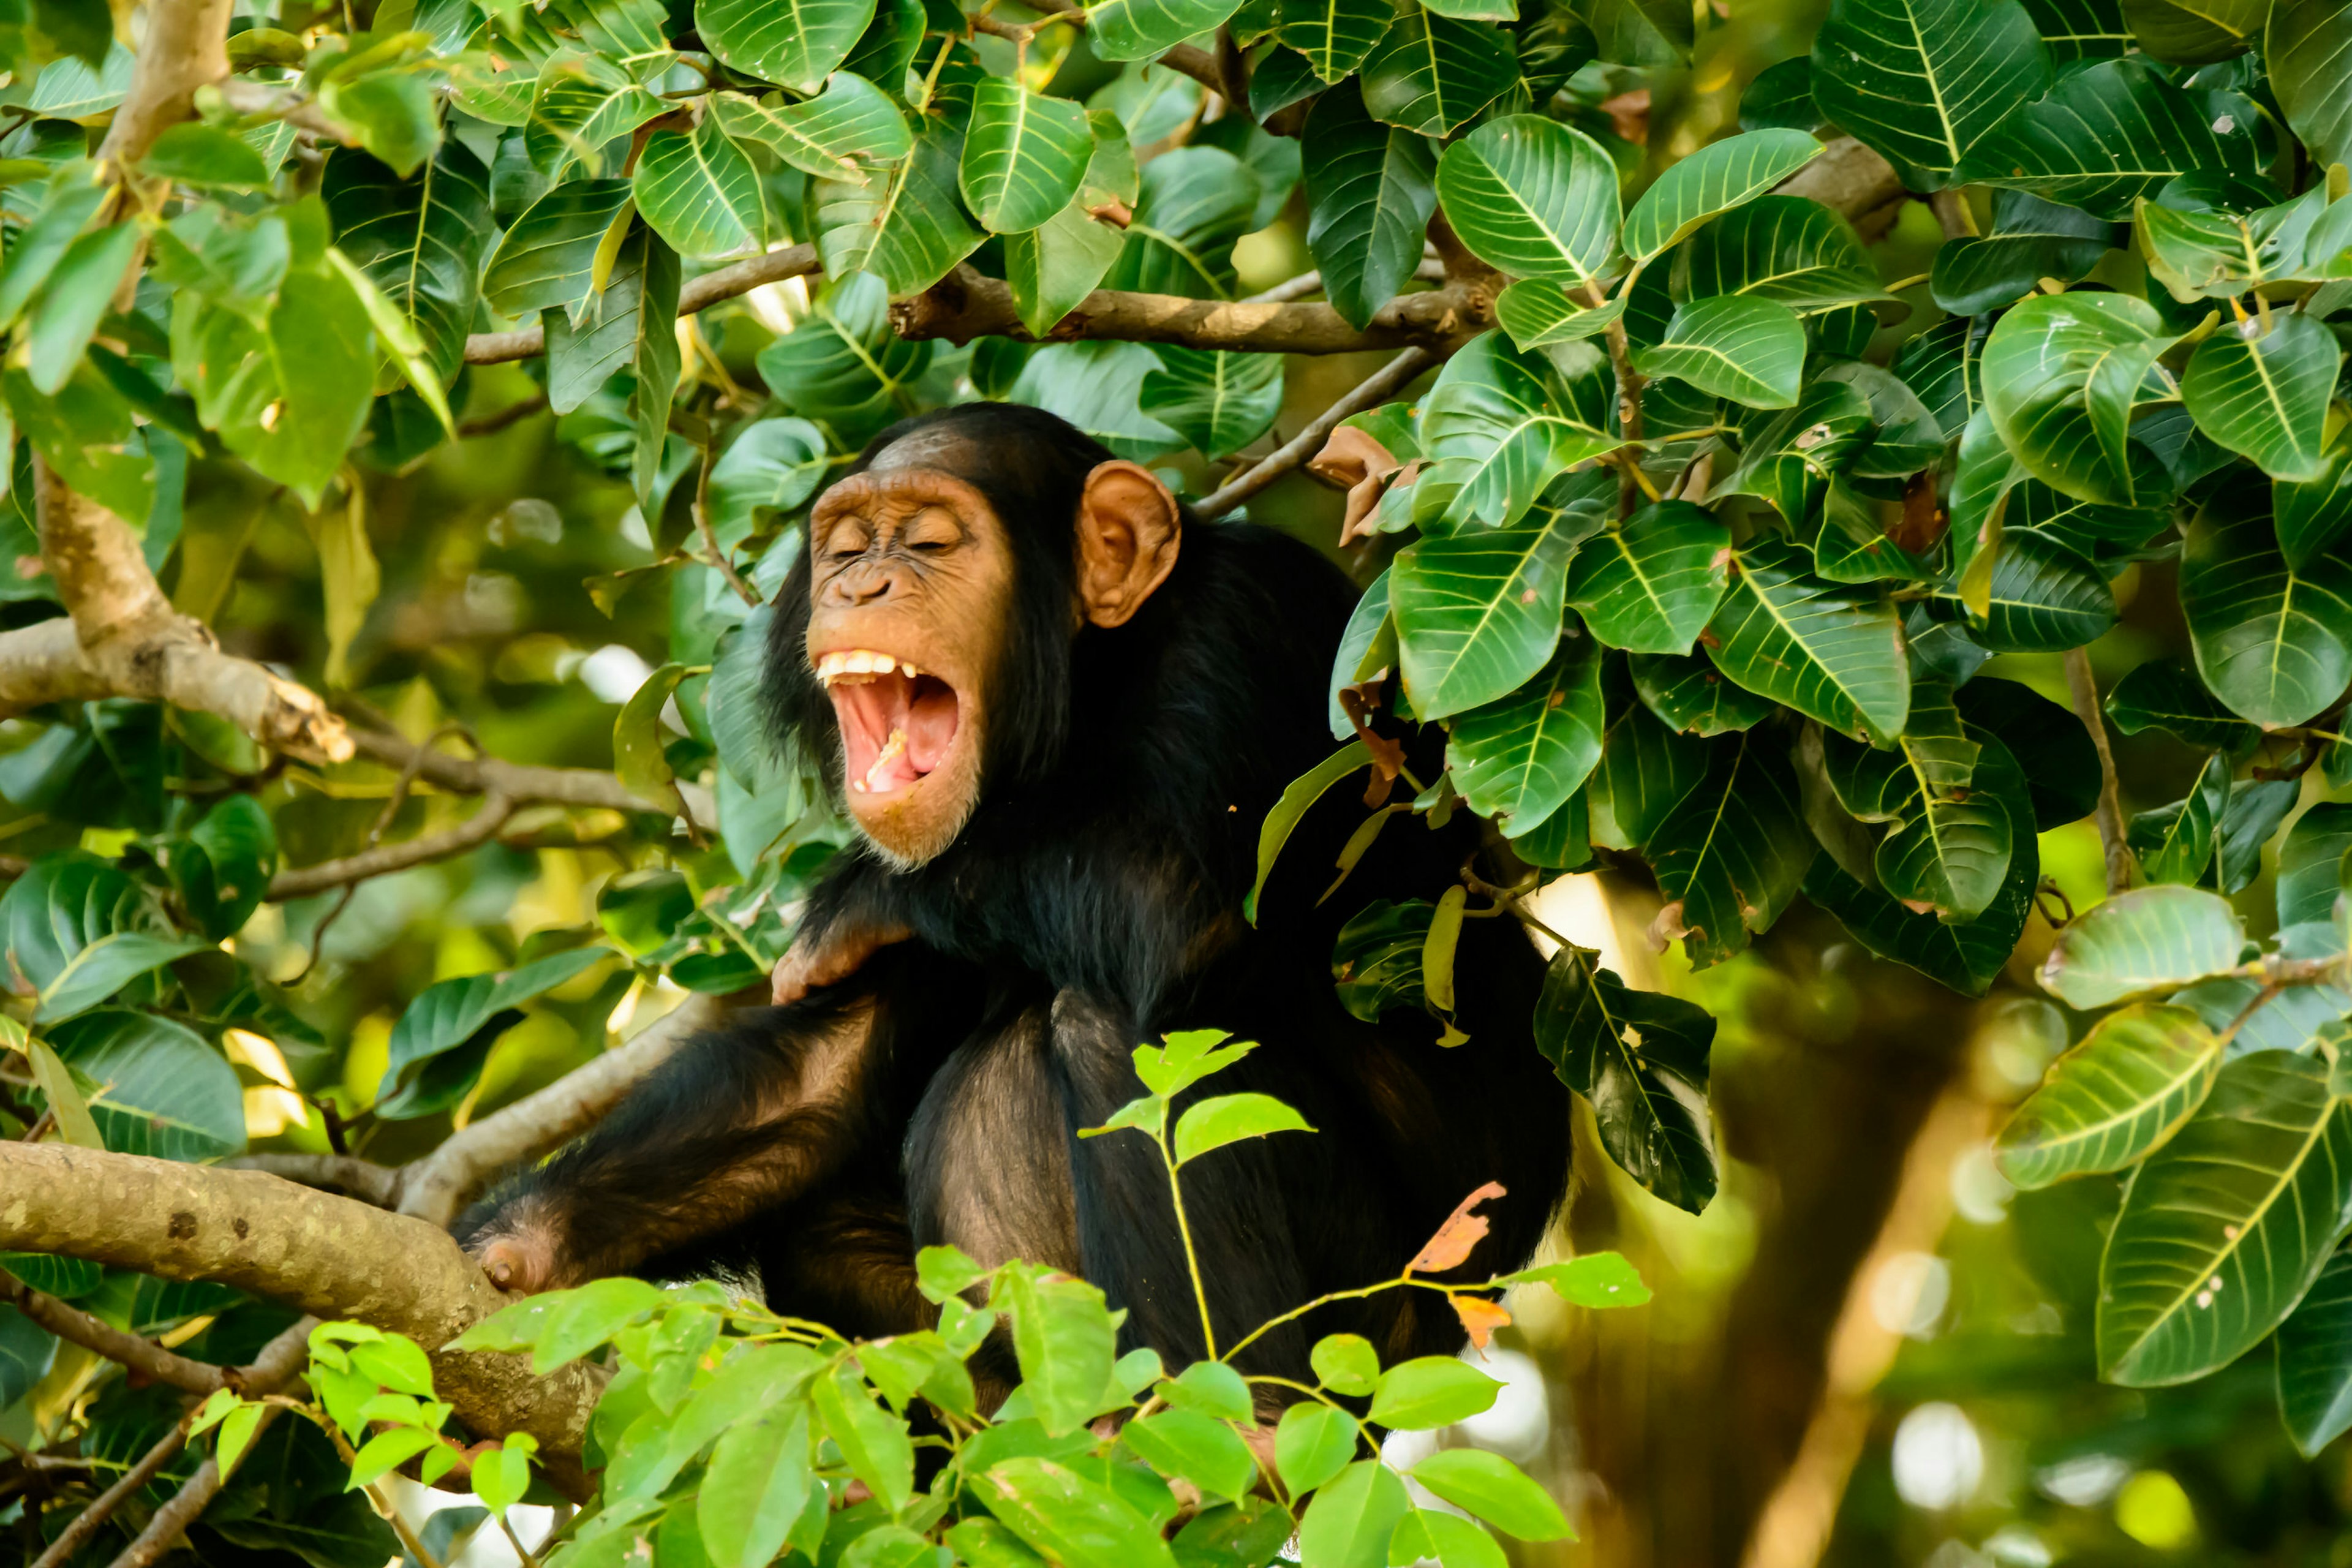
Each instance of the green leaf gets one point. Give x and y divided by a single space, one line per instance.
2107 135
1218 400
2255 810
546 257
2061 373
699 192
1477 614
1194 202
62 1097
2112 1097
1022 155
70 200
162 1090
2313 515
1051 269
839 136
1369 194
441 1040
2311 860
1494 1490
654 367
1376 960
1689 696
1211 1388
1098 388
874 1443
2270 641
1784 248
1645 771
1313 1443
617 325
2164 695
1640 1059
105 967
1538 314
2198 34
1512 428
2175 843
1346 1364
2043 596
1733 850
1432 74
843 366
1652 584
1947 846
1063 1335
583 102
2226 1226
2265 396
68 88
1229 1118
1429 1391
1718 177
910 234
2312 77
1196 1448
1068 1518
795 44
1516 759
1131 29
1750 349
419 240
197 154
2314 1360
2150 939
1597 1280
1532 198
1350 1522
757 1484
1921 82
76 296
768 471
1302 792
1831 652
1335 34
2031 239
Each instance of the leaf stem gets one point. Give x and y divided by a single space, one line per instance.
1184 1230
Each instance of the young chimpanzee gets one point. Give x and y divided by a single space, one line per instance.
1062 708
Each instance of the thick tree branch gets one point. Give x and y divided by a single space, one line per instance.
1855 181
346 1174
968 304
1385 382
127 641
144 1356
699 294
324 1255
185 48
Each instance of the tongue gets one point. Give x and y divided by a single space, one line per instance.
894 730
931 722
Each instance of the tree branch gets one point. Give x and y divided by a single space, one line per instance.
2083 686
1388 379
323 1255
699 294
185 48
520 783
1856 182
468 835
347 1174
144 1356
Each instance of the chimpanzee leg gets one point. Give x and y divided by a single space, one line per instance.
741 1120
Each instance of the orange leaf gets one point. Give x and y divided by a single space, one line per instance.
1462 1231
1480 1317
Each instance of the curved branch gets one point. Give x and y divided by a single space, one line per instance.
1386 382
468 835
144 1356
699 294
323 1255
520 783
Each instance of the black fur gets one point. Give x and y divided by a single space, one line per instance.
1092 902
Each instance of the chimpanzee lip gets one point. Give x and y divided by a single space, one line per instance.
899 723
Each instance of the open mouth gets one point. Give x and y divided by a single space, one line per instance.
896 721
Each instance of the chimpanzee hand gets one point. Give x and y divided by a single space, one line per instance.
833 957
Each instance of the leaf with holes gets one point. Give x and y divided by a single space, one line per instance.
1532 198
1738 346
1370 193
1830 651
2272 642
2227 1225
1921 82
2113 1098
1640 1058
2264 395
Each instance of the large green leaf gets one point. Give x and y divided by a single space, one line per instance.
2272 643
2228 1225
792 43
1335 34
910 233
1518 758
1194 204
2042 597
2061 373
1731 853
699 192
441 1040
1504 428
1651 583
834 136
2150 939
1098 388
769 469
2162 695
2115 1096
1370 193
1921 82
2314 1360
1131 29
1053 267
1947 845
105 967
546 257
1784 248
612 332
1640 1059
1432 73
2108 134
1023 153
2311 863
2196 32
1219 400
1830 651
1532 198
1537 313
1738 347
1477 612
2031 239
584 103
1687 693
163 1091
419 240
1718 177
2264 395
1646 770
2311 73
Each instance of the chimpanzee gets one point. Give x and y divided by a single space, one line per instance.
1062 707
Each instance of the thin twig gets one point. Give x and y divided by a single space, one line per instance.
1383 382
2084 687
743 591
135 1479
142 1355
514 414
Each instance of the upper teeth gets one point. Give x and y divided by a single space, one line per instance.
844 662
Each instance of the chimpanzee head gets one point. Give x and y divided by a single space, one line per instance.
924 639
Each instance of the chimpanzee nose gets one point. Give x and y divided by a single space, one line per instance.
863 585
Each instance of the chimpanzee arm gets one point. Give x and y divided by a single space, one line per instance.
741 1120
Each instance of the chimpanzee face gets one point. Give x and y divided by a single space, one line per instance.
911 578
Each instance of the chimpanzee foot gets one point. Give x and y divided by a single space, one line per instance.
523 1264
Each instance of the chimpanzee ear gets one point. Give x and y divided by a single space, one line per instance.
1128 532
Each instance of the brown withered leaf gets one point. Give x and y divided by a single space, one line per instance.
1923 522
1480 1318
1461 1232
1668 927
1349 457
